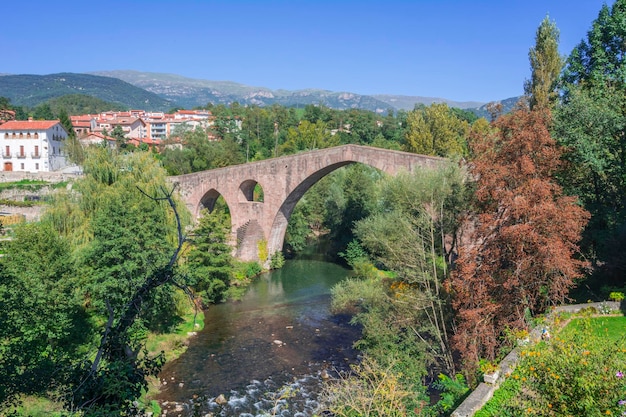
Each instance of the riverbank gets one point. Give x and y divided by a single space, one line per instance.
173 345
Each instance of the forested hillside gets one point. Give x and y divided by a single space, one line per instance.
32 90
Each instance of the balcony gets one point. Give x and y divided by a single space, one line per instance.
35 155
7 155
20 155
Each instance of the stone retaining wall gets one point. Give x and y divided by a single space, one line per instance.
484 391
13 176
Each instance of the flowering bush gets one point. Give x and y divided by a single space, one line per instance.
580 372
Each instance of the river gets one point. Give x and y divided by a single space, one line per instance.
267 354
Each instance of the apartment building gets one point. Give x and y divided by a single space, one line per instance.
32 145
140 126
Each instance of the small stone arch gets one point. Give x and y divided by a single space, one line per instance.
248 188
208 201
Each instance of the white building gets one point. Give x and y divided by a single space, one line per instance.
32 145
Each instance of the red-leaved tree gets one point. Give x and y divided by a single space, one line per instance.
521 257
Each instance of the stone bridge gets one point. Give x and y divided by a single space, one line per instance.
284 181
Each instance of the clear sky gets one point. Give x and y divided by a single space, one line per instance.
459 50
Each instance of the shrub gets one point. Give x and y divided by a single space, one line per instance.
372 390
453 391
616 296
277 261
579 372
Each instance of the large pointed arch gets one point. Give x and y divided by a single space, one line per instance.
281 219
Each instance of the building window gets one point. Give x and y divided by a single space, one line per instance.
22 151
36 150
7 151
22 165
37 166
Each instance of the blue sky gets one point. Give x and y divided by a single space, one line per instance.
459 50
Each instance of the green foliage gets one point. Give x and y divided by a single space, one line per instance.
453 392
590 125
616 296
298 229
354 253
199 154
16 203
25 184
546 65
391 328
262 251
43 112
277 261
599 60
351 196
208 266
42 325
436 130
374 390
308 136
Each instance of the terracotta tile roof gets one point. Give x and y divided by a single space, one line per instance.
28 124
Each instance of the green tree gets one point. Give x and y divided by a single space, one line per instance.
308 136
350 197
209 264
600 60
43 112
121 140
590 123
546 65
42 324
435 130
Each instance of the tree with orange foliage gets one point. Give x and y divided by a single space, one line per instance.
522 253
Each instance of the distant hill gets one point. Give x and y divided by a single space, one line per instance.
160 92
190 92
31 90
409 102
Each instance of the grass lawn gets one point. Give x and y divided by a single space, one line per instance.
609 327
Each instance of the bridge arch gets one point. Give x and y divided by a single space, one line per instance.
248 189
281 219
284 181
208 200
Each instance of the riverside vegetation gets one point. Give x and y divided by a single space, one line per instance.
530 211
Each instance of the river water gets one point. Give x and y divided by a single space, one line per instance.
268 354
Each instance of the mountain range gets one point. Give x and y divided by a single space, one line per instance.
161 92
